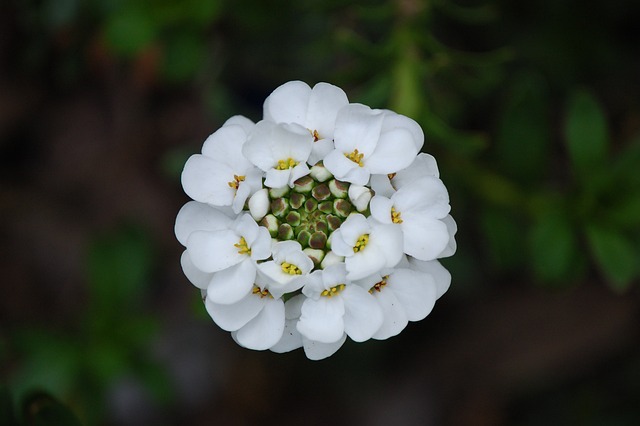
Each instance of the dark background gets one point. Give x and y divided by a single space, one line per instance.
531 108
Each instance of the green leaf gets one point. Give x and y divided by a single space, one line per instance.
41 409
553 247
183 57
523 139
586 134
615 255
129 31
502 233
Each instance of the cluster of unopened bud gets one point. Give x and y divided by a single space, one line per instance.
309 212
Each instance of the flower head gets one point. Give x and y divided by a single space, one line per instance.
319 223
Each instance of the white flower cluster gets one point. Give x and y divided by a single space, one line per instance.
321 221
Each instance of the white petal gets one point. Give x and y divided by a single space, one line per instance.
321 148
240 198
261 246
357 127
423 165
393 120
424 238
194 275
341 167
225 146
395 151
381 209
331 259
233 317
381 185
388 238
426 196
288 103
360 196
452 228
259 204
363 316
316 351
265 330
302 169
232 284
213 251
277 178
291 338
207 180
353 228
321 319
395 319
415 291
195 216
241 121
365 262
324 103
439 273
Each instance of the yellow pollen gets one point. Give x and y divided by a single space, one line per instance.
262 293
242 247
236 181
286 164
291 269
356 157
395 216
391 175
361 243
315 134
378 286
333 290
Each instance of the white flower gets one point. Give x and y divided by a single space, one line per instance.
334 307
221 176
403 295
280 150
315 109
370 142
320 222
256 321
417 208
287 269
367 246
232 254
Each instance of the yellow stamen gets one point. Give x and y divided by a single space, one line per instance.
391 175
333 291
242 247
315 134
291 269
289 163
361 243
395 216
262 293
378 286
356 157
235 183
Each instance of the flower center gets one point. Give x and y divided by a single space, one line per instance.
333 290
289 163
315 134
356 157
395 216
378 286
361 243
291 269
242 246
262 293
236 181
391 175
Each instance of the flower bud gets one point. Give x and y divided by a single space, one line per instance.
360 197
314 254
342 208
285 232
338 188
318 240
279 207
296 200
259 204
321 192
278 192
303 185
271 223
320 173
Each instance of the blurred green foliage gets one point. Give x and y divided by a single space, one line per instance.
525 105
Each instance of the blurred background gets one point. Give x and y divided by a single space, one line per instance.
531 108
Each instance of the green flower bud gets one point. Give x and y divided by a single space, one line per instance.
278 192
285 232
333 222
321 192
304 184
279 207
342 208
303 238
320 173
318 240
338 188
296 200
314 254
293 218
310 205
326 207
271 223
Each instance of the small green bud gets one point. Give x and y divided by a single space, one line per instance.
285 232
321 226
333 222
314 254
338 188
296 200
303 238
321 192
310 205
342 208
304 184
279 207
318 240
293 218
271 223
326 207
278 192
